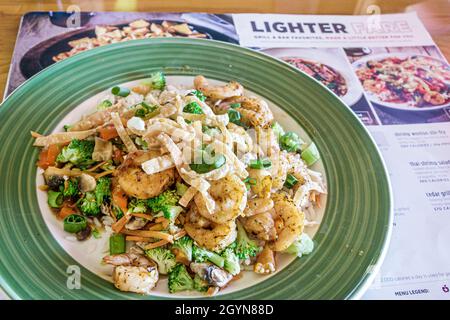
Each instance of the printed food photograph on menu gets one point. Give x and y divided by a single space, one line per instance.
181 153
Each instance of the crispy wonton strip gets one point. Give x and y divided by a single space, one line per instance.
119 225
142 215
137 239
122 132
156 244
157 164
62 137
187 196
149 234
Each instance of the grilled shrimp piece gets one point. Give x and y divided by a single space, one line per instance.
263 182
230 196
434 97
231 89
281 168
133 272
212 236
292 220
135 279
261 225
257 205
254 112
128 259
136 183
99 118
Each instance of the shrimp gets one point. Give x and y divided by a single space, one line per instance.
261 225
231 89
433 97
135 279
211 236
254 111
292 221
280 170
263 182
230 196
133 272
257 205
136 183
128 259
265 263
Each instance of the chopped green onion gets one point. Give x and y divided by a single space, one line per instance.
198 94
235 105
117 244
74 223
249 182
310 155
96 234
204 167
278 130
291 181
120 91
261 164
193 107
290 141
234 116
104 104
55 199
141 142
181 188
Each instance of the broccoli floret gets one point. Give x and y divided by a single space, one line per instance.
88 205
67 127
245 247
278 130
179 279
157 81
193 107
55 182
184 245
301 246
138 205
103 189
166 202
70 188
200 284
78 152
290 141
231 263
163 257
202 255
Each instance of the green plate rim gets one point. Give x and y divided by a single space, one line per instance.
368 276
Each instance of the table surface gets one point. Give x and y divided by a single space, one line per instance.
435 14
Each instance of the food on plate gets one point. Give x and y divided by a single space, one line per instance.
321 72
139 29
196 184
417 81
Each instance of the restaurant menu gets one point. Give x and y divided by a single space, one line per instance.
386 68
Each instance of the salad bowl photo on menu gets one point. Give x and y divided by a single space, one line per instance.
187 168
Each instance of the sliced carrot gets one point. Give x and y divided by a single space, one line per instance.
42 162
65 211
53 151
179 235
120 199
47 157
108 132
